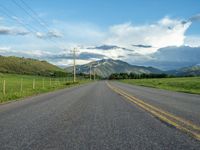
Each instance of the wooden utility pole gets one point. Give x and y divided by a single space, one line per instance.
94 74
43 83
90 72
74 55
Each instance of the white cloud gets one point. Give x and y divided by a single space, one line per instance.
50 34
69 62
4 49
193 41
166 32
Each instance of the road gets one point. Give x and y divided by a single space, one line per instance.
94 117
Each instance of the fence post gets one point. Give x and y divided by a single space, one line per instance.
33 84
21 85
58 81
43 83
50 81
4 87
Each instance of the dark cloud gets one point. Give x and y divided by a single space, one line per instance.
86 55
120 56
176 57
195 18
167 58
142 46
109 47
54 34
9 31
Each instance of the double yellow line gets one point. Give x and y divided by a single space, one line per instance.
180 123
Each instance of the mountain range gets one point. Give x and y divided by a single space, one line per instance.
103 68
186 71
106 67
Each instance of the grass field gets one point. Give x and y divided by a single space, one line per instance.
186 84
20 86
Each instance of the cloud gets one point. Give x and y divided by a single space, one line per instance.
12 31
114 42
175 57
54 34
165 32
195 18
4 50
82 56
192 41
142 46
109 47
50 34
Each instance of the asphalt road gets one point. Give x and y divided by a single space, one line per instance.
184 105
89 117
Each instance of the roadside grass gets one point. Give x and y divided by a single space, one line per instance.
182 84
21 86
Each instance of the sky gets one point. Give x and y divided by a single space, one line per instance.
136 31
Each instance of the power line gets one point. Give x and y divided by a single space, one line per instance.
11 16
35 18
42 22
30 28
17 4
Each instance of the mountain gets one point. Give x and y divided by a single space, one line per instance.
19 65
186 71
106 67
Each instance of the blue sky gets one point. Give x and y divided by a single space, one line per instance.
91 23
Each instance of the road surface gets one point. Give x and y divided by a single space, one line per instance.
91 117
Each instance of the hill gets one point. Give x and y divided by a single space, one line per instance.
106 67
28 66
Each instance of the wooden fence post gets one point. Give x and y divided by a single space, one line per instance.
4 87
43 83
33 84
21 85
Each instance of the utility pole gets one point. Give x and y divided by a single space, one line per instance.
94 74
90 72
74 55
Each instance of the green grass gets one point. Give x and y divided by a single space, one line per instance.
186 84
13 85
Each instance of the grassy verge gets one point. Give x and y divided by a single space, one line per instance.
187 84
21 86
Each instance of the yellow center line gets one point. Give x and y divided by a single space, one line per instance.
171 119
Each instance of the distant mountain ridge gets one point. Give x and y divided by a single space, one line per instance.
106 67
186 71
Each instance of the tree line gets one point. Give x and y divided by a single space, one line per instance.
118 76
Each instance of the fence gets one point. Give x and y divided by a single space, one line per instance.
12 87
